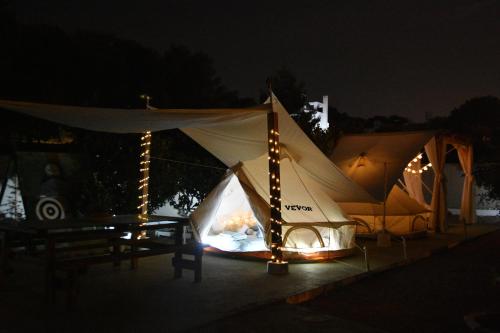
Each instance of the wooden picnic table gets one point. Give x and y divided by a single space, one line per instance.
61 238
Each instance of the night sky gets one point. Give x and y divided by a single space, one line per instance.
370 57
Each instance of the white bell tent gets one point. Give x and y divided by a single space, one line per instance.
233 217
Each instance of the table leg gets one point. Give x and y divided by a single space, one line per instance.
134 262
116 253
4 254
49 270
177 261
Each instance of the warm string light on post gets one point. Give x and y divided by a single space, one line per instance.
277 265
144 181
144 169
275 191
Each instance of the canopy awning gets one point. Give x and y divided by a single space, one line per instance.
231 135
134 120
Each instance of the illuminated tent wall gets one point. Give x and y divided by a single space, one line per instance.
234 215
231 135
363 157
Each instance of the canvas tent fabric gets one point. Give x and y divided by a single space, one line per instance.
403 214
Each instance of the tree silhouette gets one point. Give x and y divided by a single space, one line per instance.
45 64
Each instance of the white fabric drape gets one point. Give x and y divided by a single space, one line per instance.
436 151
467 209
413 182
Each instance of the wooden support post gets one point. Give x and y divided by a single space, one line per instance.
4 254
50 248
143 183
276 265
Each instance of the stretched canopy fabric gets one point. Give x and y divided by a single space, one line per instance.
246 140
362 157
133 120
232 135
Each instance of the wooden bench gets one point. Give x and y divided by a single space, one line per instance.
73 246
75 266
110 248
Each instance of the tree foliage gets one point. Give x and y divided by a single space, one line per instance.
45 64
478 119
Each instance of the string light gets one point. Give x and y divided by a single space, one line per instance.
420 170
143 187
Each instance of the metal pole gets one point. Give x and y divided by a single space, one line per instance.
405 255
367 263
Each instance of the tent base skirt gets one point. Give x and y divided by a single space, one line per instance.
291 257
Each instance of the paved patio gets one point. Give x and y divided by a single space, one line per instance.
149 299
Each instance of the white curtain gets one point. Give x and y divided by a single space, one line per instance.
436 151
467 209
413 183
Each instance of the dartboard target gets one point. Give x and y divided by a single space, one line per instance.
49 209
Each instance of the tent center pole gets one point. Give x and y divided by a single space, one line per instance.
276 265
144 169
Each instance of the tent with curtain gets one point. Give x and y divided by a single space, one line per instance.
378 161
234 136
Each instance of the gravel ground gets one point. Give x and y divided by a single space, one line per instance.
432 295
